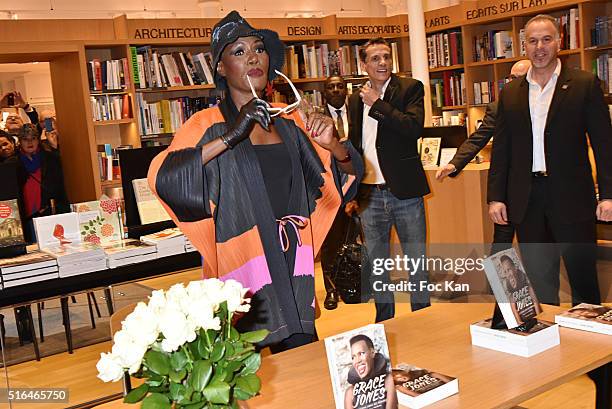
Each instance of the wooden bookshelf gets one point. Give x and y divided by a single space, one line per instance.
449 68
68 51
181 88
114 122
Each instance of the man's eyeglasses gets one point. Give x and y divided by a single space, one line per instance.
275 111
511 78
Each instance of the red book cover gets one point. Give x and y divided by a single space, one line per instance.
98 76
447 93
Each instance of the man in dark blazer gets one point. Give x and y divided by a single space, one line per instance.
334 93
386 122
540 176
503 234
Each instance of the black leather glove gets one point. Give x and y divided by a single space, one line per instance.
253 111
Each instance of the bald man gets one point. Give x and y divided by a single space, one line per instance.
503 234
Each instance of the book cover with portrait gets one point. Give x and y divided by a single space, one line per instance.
417 387
360 369
587 317
513 291
11 232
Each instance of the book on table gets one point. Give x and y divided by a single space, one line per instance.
520 332
587 317
360 368
417 387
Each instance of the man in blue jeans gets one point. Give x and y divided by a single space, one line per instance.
386 122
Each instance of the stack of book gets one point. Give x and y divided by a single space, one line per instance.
110 107
77 258
152 69
28 268
189 247
109 75
444 49
493 45
130 251
59 235
166 116
168 242
483 92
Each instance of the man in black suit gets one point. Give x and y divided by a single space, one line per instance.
335 98
386 122
503 234
540 176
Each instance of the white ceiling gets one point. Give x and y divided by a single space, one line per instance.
36 9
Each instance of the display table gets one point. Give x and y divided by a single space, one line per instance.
29 293
437 338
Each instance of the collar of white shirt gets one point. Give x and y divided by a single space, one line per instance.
332 110
556 73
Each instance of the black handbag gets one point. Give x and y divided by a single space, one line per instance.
347 267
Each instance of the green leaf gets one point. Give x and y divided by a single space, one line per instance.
193 348
154 382
249 383
233 366
85 227
158 362
234 334
202 371
217 352
229 349
177 392
197 405
241 394
178 360
251 364
254 336
156 401
137 394
220 375
217 392
203 348
177 376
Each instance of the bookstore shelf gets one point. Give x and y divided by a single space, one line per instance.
110 92
448 68
114 122
157 135
498 61
180 88
72 56
110 183
599 48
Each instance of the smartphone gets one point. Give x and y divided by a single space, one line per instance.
10 99
48 124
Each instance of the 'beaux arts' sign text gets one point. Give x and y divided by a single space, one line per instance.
503 8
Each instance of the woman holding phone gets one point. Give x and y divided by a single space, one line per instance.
255 187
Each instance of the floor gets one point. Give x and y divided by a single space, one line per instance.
77 372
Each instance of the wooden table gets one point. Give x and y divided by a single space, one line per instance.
438 338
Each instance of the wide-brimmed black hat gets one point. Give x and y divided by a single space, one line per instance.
232 27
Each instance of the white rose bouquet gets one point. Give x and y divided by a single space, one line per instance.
183 343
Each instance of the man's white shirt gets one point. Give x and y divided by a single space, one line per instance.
539 104
373 175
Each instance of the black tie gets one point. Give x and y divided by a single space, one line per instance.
340 124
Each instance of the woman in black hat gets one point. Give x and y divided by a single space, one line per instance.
256 194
